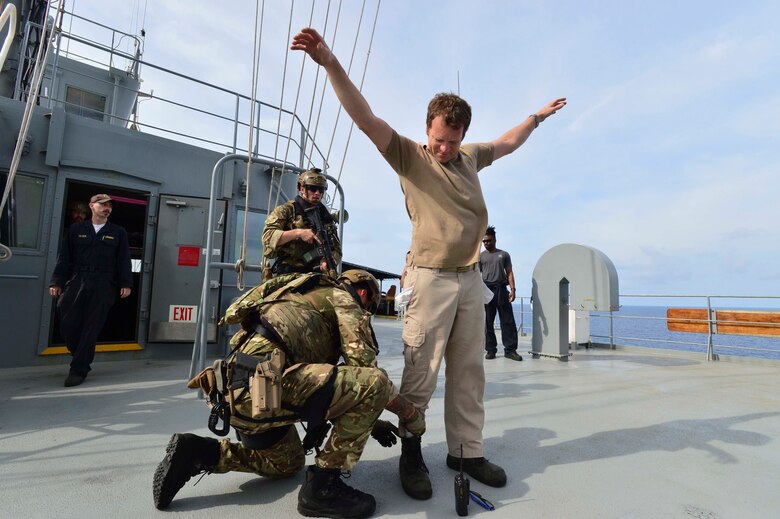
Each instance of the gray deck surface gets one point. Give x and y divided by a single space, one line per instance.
610 434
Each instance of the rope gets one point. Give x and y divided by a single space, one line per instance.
360 89
257 40
38 71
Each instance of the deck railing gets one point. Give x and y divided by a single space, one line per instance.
643 321
202 113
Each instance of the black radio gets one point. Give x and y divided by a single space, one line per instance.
461 490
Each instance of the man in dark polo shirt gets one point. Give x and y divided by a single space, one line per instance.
93 265
496 267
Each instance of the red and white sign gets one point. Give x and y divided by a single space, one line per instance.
189 256
182 314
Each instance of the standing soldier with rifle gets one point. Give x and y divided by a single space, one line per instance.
301 234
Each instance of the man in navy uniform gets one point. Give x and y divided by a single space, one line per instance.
93 265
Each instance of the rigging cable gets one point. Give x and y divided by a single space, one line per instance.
265 260
349 70
313 95
294 113
279 119
257 41
38 71
70 26
360 89
324 86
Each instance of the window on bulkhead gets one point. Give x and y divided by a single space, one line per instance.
85 104
20 222
254 245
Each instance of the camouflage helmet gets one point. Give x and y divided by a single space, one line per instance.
312 177
356 277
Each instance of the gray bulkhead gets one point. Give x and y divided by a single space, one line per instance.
82 141
173 178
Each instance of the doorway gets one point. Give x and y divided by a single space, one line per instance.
131 212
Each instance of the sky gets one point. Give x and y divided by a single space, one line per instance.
666 159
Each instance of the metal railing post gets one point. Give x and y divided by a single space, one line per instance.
235 124
50 102
710 329
522 334
302 154
22 63
611 334
256 131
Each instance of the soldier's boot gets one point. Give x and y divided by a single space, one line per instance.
414 473
187 455
324 494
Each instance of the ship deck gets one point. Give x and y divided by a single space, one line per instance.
610 434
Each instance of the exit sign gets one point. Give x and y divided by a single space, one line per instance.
182 314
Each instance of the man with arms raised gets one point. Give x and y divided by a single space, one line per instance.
445 318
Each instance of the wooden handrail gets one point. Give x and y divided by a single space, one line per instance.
730 322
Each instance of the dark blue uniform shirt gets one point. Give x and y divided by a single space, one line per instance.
106 252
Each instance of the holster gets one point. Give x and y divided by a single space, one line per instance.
265 386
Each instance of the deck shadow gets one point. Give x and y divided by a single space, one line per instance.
672 436
257 491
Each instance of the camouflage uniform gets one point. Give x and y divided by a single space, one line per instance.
317 326
296 255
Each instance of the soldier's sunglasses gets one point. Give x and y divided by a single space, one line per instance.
318 189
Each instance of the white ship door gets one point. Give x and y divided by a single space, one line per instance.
179 262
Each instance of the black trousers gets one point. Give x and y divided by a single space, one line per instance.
83 308
500 303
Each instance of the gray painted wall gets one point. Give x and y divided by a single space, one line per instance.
66 147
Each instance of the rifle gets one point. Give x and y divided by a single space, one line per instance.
324 247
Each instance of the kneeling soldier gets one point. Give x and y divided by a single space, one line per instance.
295 328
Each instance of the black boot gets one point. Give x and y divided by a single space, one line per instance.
414 473
186 455
323 494
480 469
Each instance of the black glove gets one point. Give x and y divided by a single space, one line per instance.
385 433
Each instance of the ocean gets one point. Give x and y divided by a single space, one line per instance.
646 326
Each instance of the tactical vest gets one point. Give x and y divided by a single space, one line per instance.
257 362
298 256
